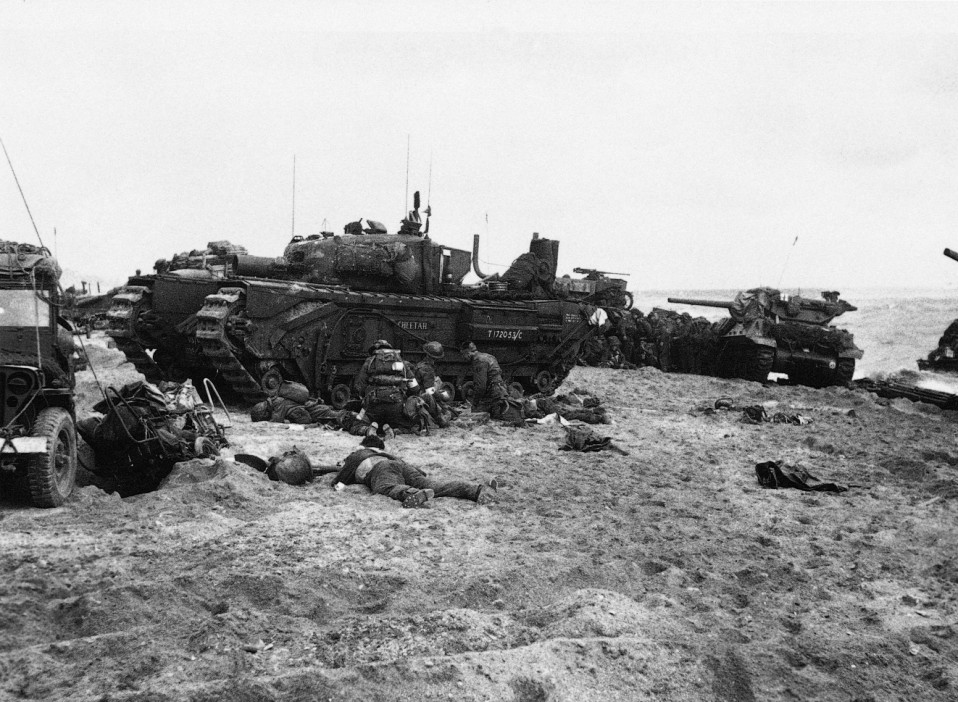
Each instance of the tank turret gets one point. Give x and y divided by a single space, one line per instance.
769 333
771 303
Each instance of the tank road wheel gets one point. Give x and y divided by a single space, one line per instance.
271 381
52 475
449 389
467 390
759 364
544 381
844 371
340 396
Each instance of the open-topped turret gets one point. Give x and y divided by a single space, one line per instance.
770 333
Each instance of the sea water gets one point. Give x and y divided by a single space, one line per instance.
893 326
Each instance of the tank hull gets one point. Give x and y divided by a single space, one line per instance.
261 332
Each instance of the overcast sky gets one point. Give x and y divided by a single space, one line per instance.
685 144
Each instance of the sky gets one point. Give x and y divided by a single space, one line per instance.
689 145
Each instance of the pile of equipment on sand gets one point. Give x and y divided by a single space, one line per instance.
765 333
139 432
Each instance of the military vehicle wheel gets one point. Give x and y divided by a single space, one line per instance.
271 381
626 301
340 395
467 390
52 475
759 364
844 371
544 381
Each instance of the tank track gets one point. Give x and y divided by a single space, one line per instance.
213 322
129 303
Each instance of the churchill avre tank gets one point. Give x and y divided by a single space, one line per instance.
769 333
945 357
311 315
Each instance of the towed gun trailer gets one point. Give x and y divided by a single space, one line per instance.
769 333
945 357
38 435
596 288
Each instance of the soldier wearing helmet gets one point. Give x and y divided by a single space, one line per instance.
489 389
389 388
436 400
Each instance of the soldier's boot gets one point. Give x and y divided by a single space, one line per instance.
417 498
488 493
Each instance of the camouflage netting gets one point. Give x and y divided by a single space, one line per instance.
753 304
22 260
392 260
197 257
791 335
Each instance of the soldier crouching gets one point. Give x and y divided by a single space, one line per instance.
389 390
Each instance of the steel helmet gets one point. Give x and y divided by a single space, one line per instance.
292 468
433 349
379 344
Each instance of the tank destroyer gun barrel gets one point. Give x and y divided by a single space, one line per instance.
701 303
595 271
951 254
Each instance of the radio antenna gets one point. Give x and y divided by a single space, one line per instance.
293 227
405 205
22 196
429 198
786 262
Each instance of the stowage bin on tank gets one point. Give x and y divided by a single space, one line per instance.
769 333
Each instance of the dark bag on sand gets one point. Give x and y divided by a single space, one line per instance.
511 412
583 439
776 474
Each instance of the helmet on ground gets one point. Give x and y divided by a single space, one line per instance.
292 467
261 412
433 349
379 344
372 441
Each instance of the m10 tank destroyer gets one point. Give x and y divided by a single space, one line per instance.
769 333
152 318
945 357
311 315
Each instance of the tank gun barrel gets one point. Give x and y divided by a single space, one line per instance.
951 254
701 303
595 271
